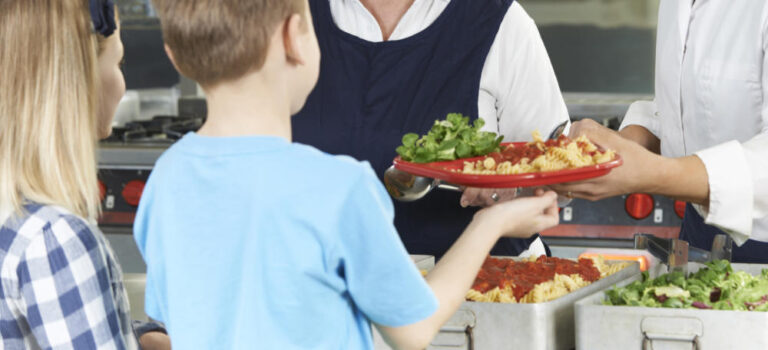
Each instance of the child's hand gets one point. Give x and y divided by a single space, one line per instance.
522 217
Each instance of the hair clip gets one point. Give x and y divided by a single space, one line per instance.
103 17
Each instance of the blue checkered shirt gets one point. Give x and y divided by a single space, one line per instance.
61 287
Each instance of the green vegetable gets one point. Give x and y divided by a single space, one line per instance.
716 286
676 303
449 139
672 292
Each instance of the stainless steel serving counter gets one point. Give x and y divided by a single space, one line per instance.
600 326
548 325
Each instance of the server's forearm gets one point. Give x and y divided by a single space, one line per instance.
643 137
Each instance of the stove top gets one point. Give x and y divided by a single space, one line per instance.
160 130
126 159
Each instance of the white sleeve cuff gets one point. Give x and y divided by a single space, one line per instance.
756 151
642 113
536 249
730 190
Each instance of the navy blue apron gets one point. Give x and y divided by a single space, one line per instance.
700 235
369 94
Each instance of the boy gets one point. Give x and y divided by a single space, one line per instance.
254 242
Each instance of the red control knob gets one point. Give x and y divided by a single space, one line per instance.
102 191
680 208
639 205
132 192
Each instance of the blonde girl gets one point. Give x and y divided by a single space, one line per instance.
60 82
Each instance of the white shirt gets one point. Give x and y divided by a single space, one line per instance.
518 88
712 101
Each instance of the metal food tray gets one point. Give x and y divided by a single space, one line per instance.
548 325
601 326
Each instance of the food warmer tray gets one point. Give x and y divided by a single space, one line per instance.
601 326
546 325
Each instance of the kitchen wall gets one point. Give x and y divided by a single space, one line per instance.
599 45
602 51
594 45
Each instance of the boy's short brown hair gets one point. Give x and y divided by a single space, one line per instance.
218 40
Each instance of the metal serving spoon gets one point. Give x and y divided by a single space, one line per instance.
406 187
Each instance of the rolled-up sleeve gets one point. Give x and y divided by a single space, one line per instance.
756 152
643 113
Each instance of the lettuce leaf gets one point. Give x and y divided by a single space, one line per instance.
715 286
449 139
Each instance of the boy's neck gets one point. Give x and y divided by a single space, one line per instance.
247 107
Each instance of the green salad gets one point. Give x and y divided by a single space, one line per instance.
716 286
449 139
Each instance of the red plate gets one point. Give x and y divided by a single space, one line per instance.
444 171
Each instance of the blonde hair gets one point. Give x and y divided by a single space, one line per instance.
219 40
48 106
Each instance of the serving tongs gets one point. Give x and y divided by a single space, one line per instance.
676 253
406 187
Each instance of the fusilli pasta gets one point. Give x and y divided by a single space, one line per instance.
559 285
541 156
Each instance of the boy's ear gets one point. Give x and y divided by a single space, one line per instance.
170 56
293 30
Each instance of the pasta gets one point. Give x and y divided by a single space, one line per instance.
536 280
539 156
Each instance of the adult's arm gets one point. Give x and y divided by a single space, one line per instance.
519 92
727 182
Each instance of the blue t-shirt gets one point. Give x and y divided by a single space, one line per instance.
254 242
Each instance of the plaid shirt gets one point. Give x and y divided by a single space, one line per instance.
60 285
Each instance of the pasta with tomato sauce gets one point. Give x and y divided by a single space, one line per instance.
536 280
540 156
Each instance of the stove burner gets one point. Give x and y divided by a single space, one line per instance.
160 129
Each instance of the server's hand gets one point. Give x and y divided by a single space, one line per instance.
485 197
638 173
